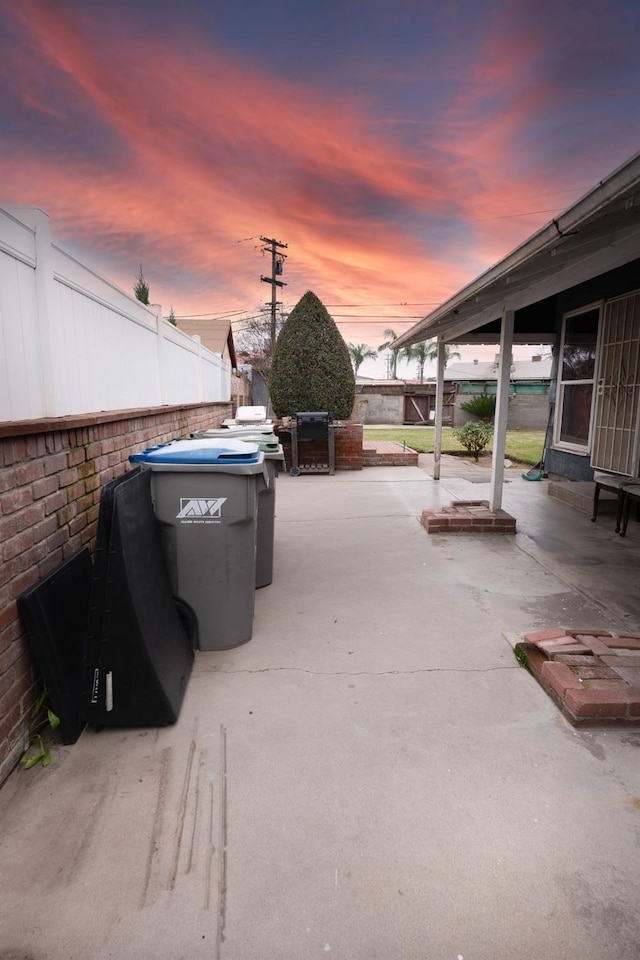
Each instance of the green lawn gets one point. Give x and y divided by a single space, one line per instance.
522 446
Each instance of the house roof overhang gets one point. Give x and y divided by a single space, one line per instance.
598 233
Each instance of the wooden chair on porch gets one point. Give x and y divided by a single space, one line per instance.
630 494
612 483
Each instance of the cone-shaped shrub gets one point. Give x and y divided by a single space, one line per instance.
311 367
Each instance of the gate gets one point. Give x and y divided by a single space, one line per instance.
616 433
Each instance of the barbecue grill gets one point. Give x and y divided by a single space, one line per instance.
315 431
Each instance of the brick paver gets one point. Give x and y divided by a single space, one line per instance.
467 516
593 675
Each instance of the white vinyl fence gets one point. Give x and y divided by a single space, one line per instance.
73 343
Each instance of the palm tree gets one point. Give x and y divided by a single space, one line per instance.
427 350
359 352
391 335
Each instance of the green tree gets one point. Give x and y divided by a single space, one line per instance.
172 317
311 368
359 352
391 335
141 288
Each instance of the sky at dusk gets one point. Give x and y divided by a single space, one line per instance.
398 147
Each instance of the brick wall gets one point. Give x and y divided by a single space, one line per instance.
51 474
348 447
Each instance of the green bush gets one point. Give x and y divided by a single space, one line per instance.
311 367
482 407
474 436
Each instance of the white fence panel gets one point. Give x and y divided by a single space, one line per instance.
103 361
21 386
73 343
191 370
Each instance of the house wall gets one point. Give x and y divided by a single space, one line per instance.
615 283
51 475
241 395
74 343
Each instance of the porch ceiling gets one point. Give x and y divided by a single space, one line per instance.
598 233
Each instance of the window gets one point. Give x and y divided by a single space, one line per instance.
576 378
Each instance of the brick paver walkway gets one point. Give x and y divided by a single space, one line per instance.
592 675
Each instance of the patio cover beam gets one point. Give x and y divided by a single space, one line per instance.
437 443
502 409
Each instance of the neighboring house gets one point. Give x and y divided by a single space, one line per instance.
529 382
575 284
216 335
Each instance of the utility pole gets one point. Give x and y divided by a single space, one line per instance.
277 260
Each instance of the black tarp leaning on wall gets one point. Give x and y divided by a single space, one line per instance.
55 613
139 652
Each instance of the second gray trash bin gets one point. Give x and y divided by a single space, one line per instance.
274 461
205 497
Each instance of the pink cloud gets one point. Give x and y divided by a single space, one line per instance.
205 149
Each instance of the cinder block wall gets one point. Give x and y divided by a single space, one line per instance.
51 474
526 411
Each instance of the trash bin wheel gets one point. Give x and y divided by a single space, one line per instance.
295 471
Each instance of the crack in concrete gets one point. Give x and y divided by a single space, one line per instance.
366 673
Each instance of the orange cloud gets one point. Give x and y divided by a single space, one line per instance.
168 152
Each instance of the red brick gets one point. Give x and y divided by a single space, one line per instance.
571 648
8 526
75 457
565 643
28 472
57 539
44 487
630 675
596 704
7 479
55 463
538 635
18 544
32 556
77 524
623 643
597 671
589 633
44 529
596 645
15 500
55 501
632 695
29 516
620 661
575 660
8 614
559 677
605 683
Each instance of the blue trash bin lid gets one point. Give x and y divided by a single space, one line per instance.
211 450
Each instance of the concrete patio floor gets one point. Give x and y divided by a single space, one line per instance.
373 775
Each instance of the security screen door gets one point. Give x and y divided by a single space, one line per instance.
616 435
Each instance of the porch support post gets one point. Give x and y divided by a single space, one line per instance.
502 409
437 442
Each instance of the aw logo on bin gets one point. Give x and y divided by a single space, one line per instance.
202 510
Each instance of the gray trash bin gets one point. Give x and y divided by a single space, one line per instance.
274 461
205 496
